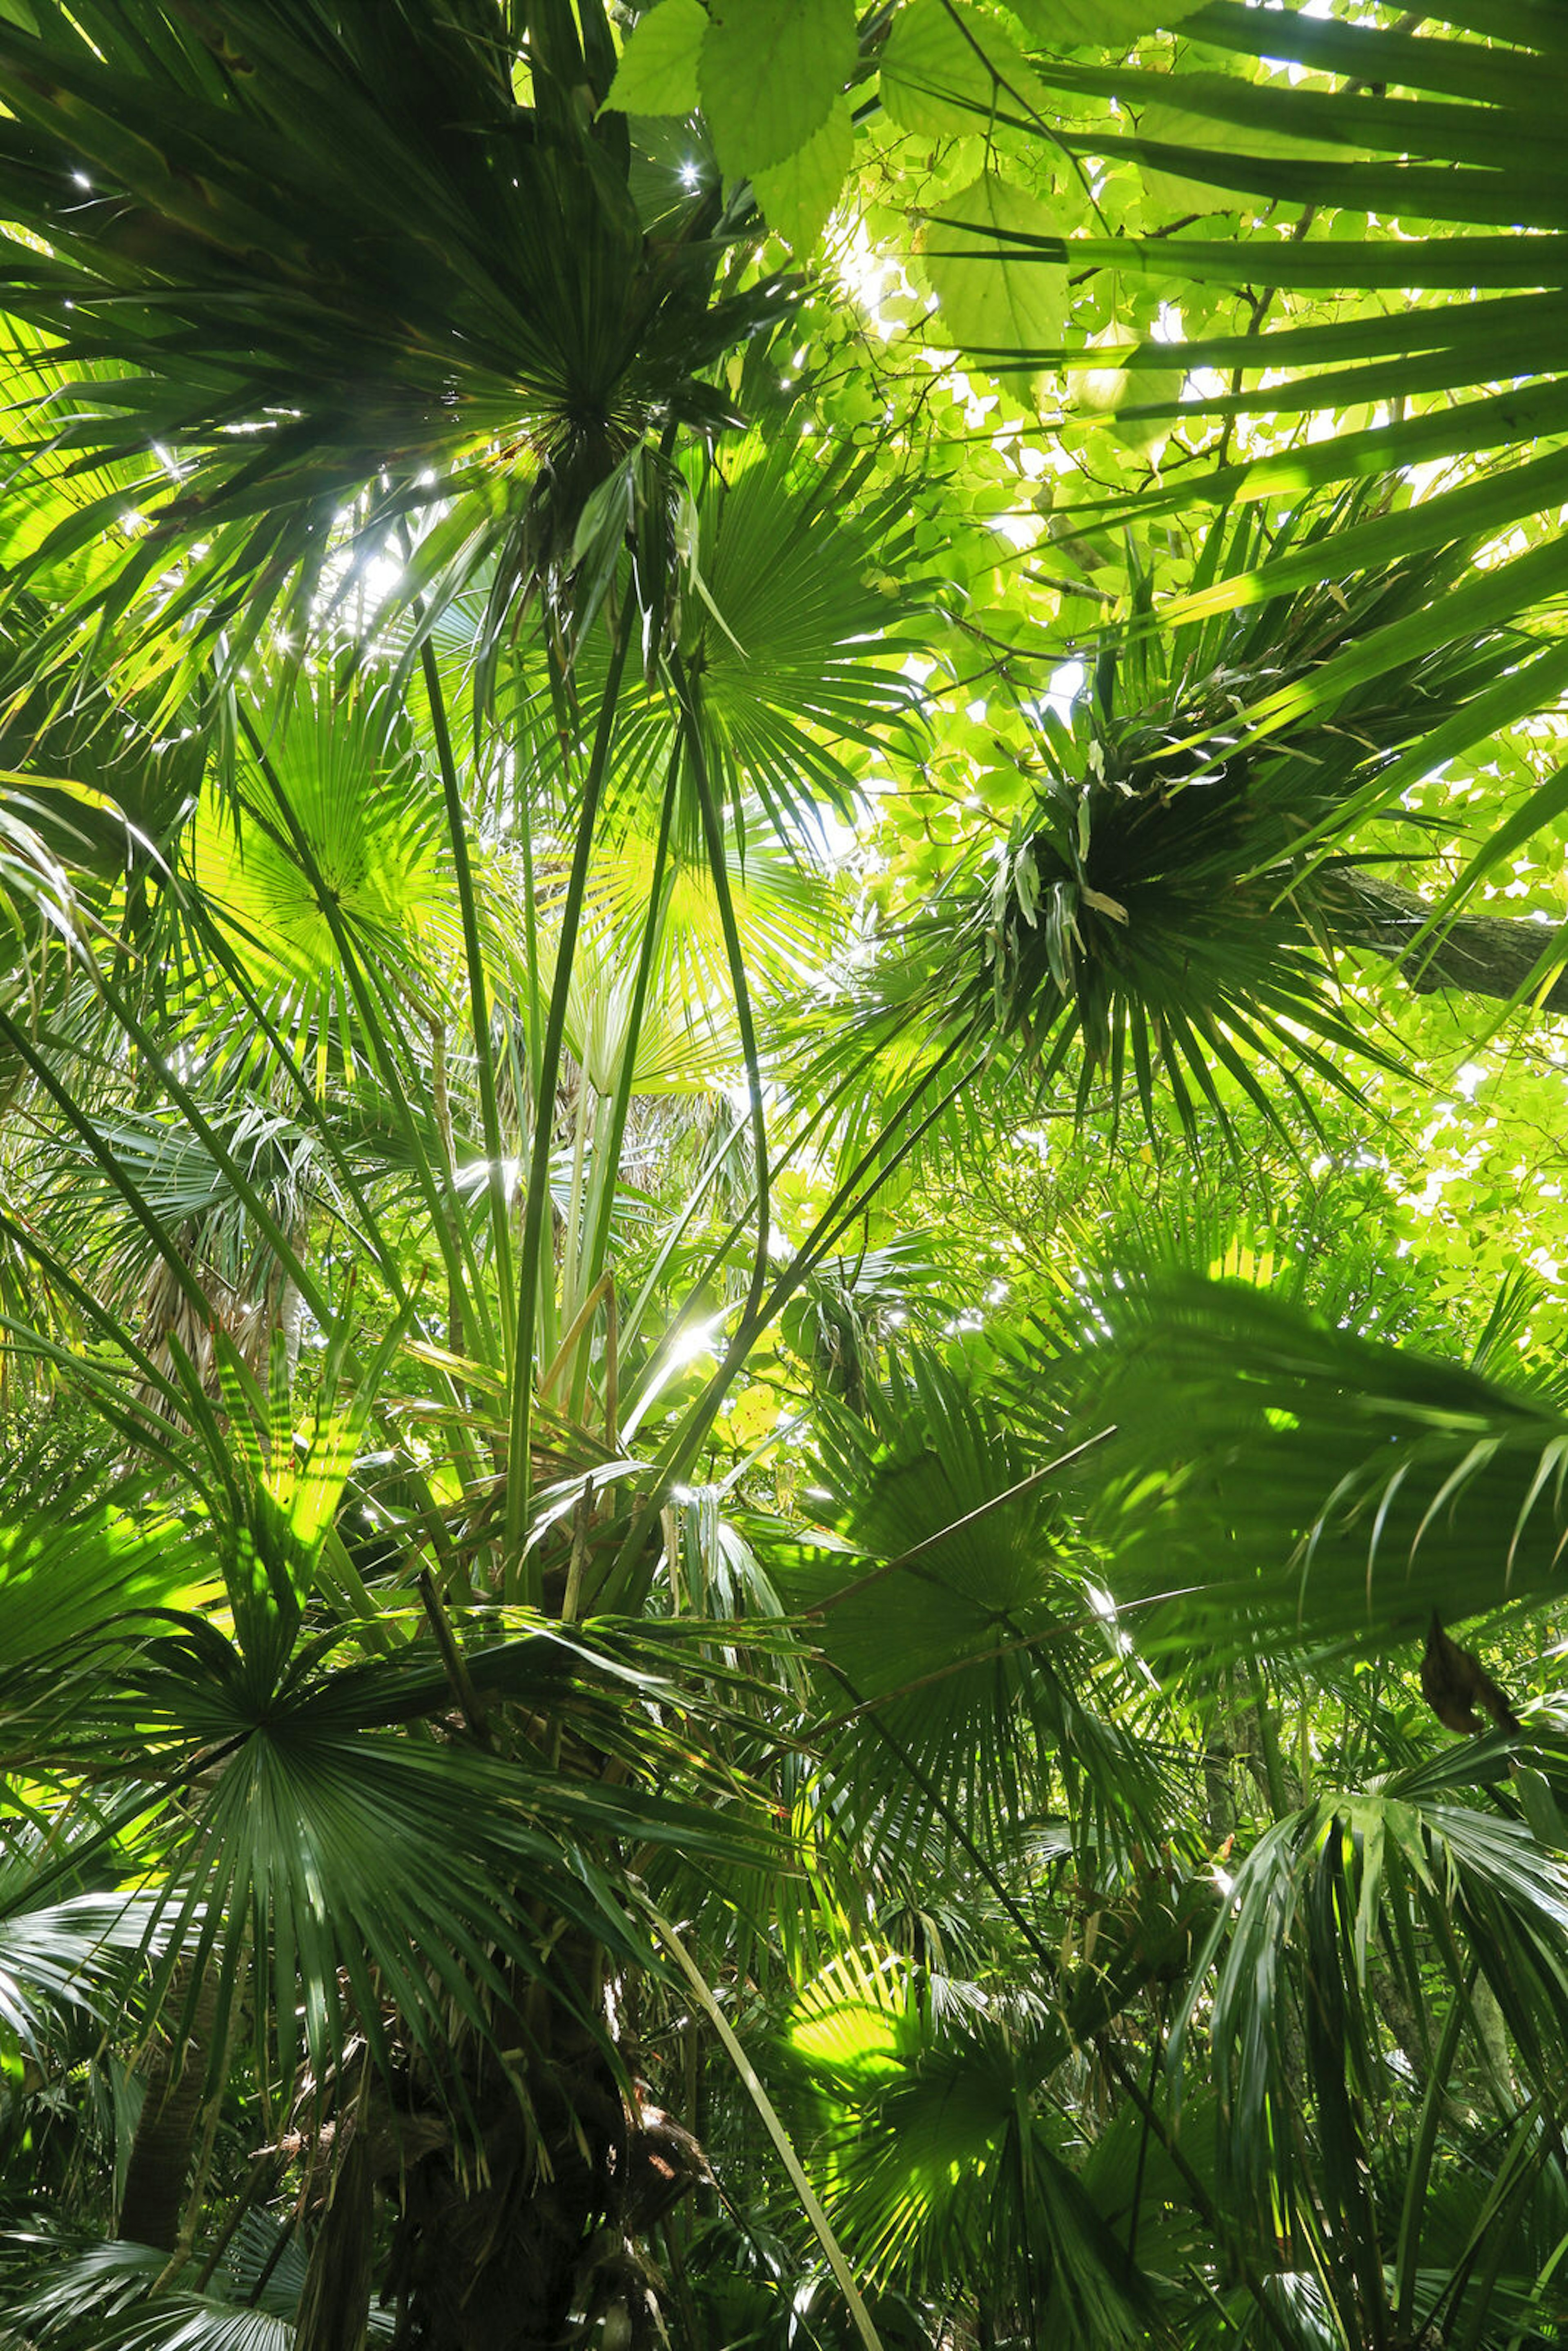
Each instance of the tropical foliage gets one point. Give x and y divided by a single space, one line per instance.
780 1209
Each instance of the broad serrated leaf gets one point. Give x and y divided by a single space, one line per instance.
769 73
995 296
1105 391
658 69
943 70
798 195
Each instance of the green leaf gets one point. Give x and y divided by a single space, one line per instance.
943 68
1106 391
994 297
1541 1808
1193 126
658 70
1545 807
798 195
770 71
1099 23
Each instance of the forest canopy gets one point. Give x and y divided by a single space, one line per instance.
783 1428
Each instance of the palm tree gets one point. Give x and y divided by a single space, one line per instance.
1439 124
1169 907
449 982
437 645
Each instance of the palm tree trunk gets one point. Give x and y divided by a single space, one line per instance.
495 2256
547 2233
165 2137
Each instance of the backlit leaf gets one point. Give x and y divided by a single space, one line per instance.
1099 24
658 69
770 73
799 194
994 296
944 68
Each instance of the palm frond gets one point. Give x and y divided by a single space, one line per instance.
997 1685
1481 379
465 320
937 2162
1329 1901
1294 1484
1164 913
82 2292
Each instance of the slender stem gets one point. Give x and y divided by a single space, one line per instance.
570 1607
530 944
359 980
699 1417
1157 2059
1268 1744
368 1234
441 1104
608 1147
93 1312
574 1278
751 2082
184 1279
573 1333
611 1366
469 1703
279 2247
264 2171
848 1202
602 1170
794 1144
520 1570
1408 2249
712 838
478 999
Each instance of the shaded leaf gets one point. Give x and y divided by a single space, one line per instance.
798 195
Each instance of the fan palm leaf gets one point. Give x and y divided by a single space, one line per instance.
324 256
789 636
1163 912
1327 1898
996 1686
70 1955
327 847
81 1578
1310 1487
1480 377
938 2159
77 2293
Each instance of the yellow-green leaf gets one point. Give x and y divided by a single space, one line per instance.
798 195
1179 126
995 296
1099 23
658 70
1105 391
769 73
943 68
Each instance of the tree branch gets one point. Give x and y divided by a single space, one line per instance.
1479 954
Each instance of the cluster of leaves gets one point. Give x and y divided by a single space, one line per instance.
629 1587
